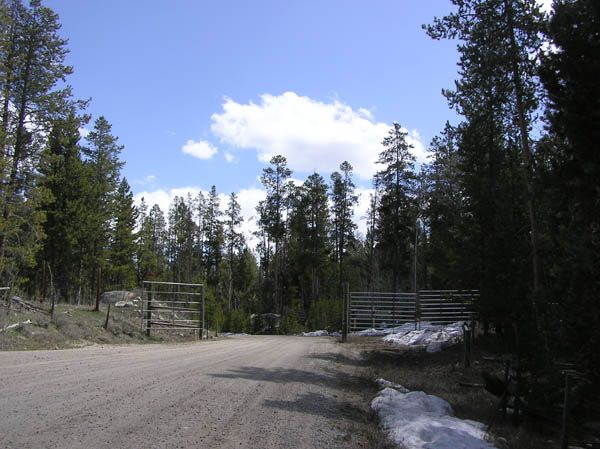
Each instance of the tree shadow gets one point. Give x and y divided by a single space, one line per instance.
279 375
329 378
320 405
336 358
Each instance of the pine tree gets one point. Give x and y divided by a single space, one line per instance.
498 95
396 215
234 241
309 247
213 240
121 269
102 159
571 178
343 201
64 176
450 248
272 220
180 249
33 96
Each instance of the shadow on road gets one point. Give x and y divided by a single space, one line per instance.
279 375
320 405
330 378
336 358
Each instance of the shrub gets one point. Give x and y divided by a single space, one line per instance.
325 314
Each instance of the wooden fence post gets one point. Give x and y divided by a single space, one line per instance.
107 315
98 281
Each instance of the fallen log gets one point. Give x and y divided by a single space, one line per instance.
28 306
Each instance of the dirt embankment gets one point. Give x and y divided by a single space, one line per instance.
27 328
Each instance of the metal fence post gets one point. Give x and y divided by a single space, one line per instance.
346 302
148 313
203 322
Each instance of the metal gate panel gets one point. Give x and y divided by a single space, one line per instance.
377 309
387 309
173 306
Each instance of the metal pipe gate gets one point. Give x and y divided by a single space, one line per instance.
173 306
385 309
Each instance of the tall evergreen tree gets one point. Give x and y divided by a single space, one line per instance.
498 95
234 241
33 96
396 215
571 178
343 201
213 240
65 177
121 269
182 230
309 243
102 159
272 220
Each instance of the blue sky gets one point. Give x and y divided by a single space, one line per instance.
204 92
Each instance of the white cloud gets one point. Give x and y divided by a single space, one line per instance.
164 197
312 135
230 158
200 149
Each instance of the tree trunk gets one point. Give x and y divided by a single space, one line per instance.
527 160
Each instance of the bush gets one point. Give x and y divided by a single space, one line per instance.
265 323
236 321
290 325
325 314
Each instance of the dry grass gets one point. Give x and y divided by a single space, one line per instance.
441 374
74 326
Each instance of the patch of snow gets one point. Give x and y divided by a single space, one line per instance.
320 333
15 325
433 337
233 334
416 420
403 328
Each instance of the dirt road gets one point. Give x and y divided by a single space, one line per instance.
242 392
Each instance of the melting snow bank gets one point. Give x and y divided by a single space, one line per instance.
321 333
435 338
416 420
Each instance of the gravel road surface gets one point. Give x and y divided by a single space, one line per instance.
243 392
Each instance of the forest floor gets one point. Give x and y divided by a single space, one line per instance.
73 326
441 374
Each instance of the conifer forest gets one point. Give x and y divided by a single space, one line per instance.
508 203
